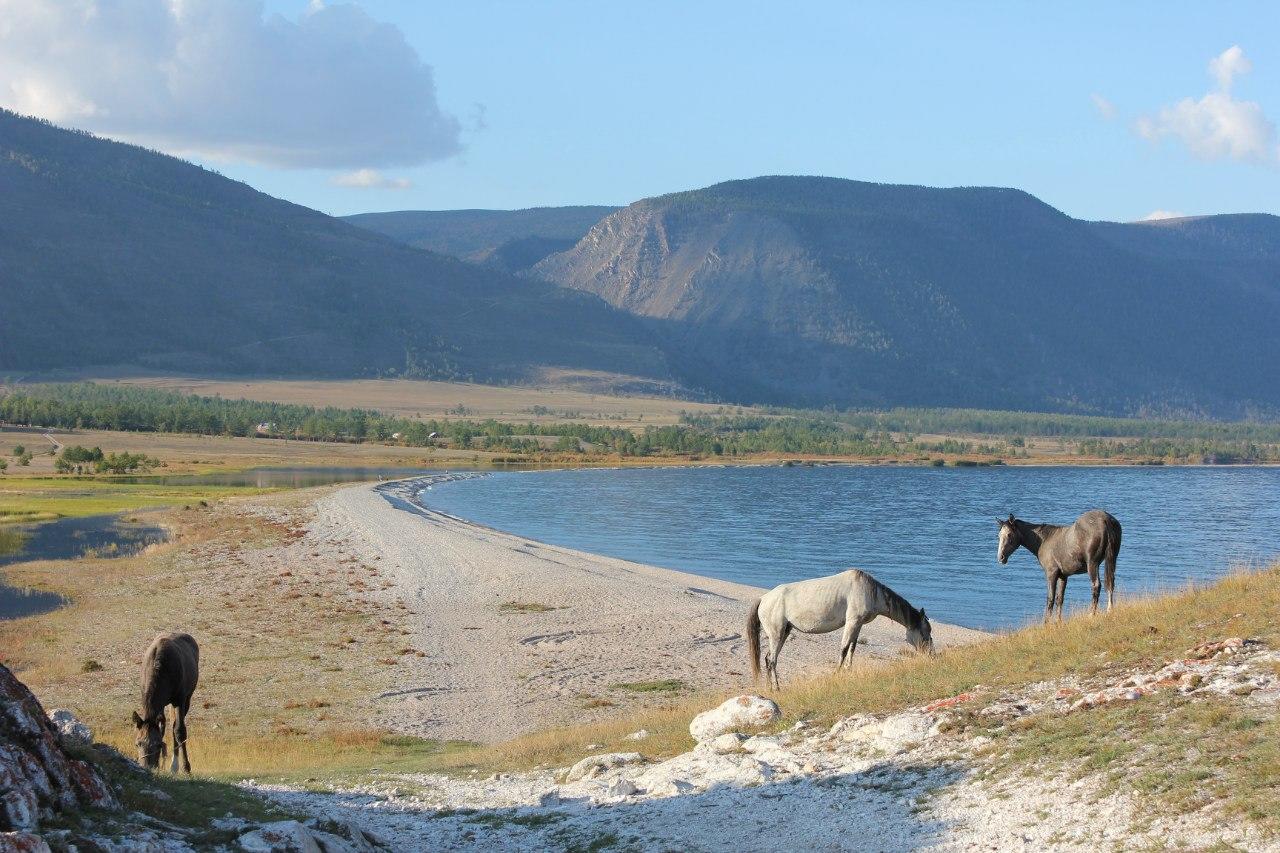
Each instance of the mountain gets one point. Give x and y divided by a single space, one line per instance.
509 240
112 254
815 291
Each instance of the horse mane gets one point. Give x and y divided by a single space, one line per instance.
896 602
151 681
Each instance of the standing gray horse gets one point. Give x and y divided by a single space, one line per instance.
850 600
170 671
1064 551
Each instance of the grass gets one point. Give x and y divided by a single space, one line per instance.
1184 755
307 758
666 685
1243 604
295 709
40 499
526 607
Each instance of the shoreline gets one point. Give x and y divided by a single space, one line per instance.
521 635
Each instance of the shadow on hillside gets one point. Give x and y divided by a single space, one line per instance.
884 807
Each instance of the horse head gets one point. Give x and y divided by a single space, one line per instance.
1009 539
920 635
150 741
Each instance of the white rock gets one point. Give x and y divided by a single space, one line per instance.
670 787
595 765
621 788
640 735
737 713
283 836
70 727
761 743
727 742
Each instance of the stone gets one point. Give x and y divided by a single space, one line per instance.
749 712
69 726
37 777
22 842
727 742
621 788
597 765
640 735
282 836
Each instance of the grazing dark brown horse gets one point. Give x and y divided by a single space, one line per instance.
1068 550
169 675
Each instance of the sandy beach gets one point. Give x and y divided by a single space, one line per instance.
519 635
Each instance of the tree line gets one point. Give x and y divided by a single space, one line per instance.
723 434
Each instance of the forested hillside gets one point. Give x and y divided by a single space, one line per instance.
112 254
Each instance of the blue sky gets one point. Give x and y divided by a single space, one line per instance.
604 103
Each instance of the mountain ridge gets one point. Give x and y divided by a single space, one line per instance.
821 290
131 256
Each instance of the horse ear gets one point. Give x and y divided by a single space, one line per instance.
137 721
921 612
1011 518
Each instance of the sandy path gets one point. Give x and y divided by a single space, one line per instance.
491 672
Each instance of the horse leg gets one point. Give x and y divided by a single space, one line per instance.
1049 581
1062 593
1111 583
177 744
775 648
181 731
1095 583
852 627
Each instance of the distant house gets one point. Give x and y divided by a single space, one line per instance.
395 436
266 428
433 435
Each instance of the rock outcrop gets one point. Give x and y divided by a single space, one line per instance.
740 712
38 779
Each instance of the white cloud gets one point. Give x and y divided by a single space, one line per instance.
1105 108
1156 215
370 179
1227 65
1217 125
217 79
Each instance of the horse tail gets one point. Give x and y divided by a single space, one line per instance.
1113 541
753 639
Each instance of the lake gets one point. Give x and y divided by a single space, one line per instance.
930 533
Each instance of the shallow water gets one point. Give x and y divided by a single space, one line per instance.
929 533
65 539
110 536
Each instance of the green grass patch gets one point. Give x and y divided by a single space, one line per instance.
526 607
666 685
43 499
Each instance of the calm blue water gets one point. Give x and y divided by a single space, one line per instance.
929 533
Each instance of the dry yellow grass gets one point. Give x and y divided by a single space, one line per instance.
201 453
1151 630
419 398
290 642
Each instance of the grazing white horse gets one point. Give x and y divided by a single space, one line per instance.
850 600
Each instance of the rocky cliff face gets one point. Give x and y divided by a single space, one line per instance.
37 778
